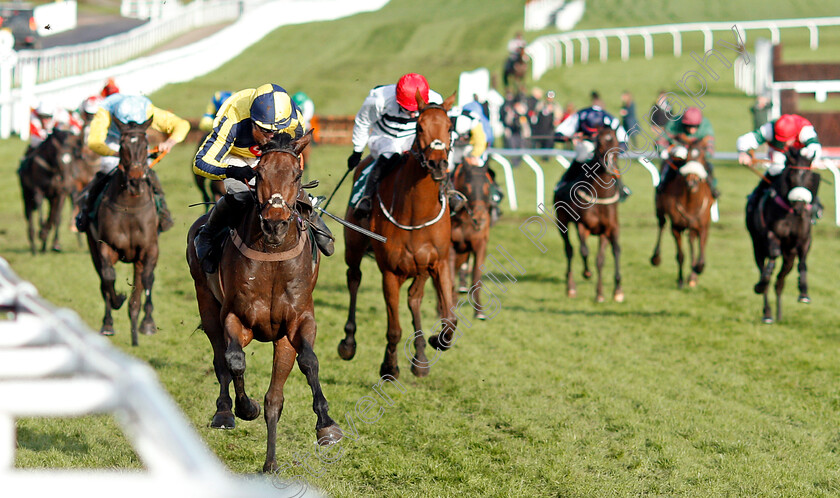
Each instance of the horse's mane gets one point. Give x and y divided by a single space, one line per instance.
280 142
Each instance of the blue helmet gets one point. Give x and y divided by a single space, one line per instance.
219 99
132 109
593 120
272 108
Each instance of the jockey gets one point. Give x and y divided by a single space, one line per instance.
582 127
43 119
246 120
206 123
387 123
469 146
789 132
306 106
104 139
692 127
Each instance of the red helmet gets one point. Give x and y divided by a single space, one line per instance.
693 116
408 86
110 88
787 128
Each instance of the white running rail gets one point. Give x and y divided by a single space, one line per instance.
52 365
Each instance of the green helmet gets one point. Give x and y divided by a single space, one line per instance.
299 98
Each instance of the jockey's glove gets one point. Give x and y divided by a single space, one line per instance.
354 160
241 173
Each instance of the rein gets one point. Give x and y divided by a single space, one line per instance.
429 223
268 256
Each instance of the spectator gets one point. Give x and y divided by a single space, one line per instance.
542 123
760 111
659 117
517 129
596 99
515 44
628 114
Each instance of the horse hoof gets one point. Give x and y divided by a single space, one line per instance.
223 420
392 371
619 297
480 316
805 299
571 293
346 349
148 328
249 412
56 248
330 434
692 283
435 342
419 371
118 301
680 284
106 331
270 467
767 320
587 274
655 260
600 299
760 288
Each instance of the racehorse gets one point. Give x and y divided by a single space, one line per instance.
410 210
263 291
687 202
82 172
779 223
124 228
471 226
46 174
591 204
515 68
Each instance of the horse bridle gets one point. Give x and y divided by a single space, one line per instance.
434 145
276 200
143 163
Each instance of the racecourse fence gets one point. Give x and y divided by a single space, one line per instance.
500 156
52 365
551 51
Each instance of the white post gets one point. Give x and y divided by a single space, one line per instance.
570 51
27 99
7 62
540 179
648 45
603 46
654 173
815 36
677 42
563 161
8 442
774 34
829 164
625 46
584 49
708 40
509 183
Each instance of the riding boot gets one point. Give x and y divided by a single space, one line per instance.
665 177
816 211
88 198
164 216
322 235
380 168
227 211
712 180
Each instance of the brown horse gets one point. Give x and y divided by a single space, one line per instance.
591 204
263 291
779 223
687 202
516 67
471 226
410 211
82 171
124 228
46 174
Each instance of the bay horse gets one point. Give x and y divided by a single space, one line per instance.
687 202
410 210
125 228
471 226
779 223
591 204
516 66
46 175
82 172
263 291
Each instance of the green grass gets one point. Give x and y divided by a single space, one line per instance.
672 393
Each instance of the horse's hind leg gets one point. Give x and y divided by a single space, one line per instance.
134 301
571 289
54 221
29 209
692 241
104 259
246 408
656 259
583 233
355 246
802 251
618 293
680 256
419 363
480 253
773 252
210 311
599 266
787 266
147 279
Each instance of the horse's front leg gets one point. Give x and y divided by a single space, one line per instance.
29 210
618 293
419 364
353 253
104 259
656 259
480 251
599 266
701 260
680 256
237 337
326 430
147 326
441 276
284 361
692 240
773 251
391 284
571 289
54 222
802 251
583 233
134 300
787 266
210 312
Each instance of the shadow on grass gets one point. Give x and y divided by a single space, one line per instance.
606 312
44 440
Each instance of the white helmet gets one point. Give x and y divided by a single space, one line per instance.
91 105
45 109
